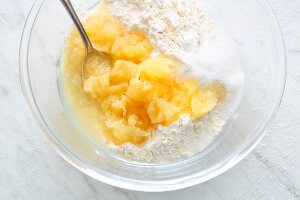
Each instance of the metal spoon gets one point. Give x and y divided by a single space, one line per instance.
91 52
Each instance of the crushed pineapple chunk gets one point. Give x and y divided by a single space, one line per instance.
134 47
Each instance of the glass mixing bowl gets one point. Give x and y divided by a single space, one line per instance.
250 23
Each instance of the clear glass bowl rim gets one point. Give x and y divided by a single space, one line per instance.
115 180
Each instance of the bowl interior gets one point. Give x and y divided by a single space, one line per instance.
249 23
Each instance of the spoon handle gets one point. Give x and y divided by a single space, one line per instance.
70 9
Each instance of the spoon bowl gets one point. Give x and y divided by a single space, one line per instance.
91 54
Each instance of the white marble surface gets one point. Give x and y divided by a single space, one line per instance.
31 170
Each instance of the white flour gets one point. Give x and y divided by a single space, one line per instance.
181 139
180 29
173 26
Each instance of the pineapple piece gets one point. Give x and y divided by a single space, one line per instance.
139 91
111 31
120 104
162 91
119 89
157 68
107 104
162 111
133 120
96 86
203 103
123 71
169 111
134 47
190 86
103 29
124 133
154 113
181 100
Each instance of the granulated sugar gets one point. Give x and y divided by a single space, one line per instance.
180 29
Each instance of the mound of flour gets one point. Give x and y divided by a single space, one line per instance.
180 29
172 25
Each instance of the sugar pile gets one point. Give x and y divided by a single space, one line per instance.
180 29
